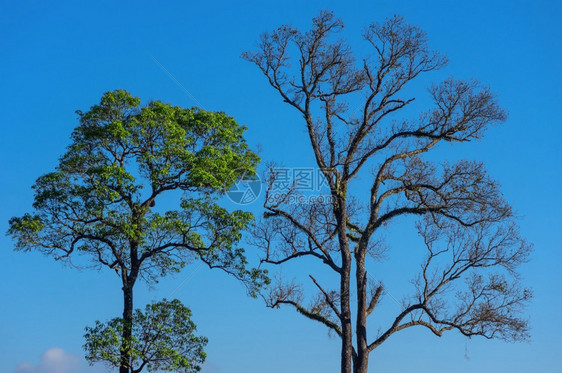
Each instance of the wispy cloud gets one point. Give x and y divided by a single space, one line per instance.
54 360
57 360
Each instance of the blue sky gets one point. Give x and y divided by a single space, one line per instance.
58 57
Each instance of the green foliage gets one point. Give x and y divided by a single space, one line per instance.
100 202
123 158
163 338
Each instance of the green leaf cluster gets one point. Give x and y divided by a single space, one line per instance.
100 201
163 339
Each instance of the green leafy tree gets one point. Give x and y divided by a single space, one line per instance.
162 338
101 199
354 114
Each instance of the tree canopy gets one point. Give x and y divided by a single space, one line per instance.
102 197
354 112
163 338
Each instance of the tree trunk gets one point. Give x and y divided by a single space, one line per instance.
347 336
127 328
362 360
345 309
129 280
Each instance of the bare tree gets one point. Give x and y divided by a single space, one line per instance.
466 226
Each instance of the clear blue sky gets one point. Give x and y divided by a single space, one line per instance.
61 56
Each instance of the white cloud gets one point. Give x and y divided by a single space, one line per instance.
54 360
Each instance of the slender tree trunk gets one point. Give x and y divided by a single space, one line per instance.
347 331
129 280
345 309
127 327
361 363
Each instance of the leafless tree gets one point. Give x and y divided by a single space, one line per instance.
473 246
